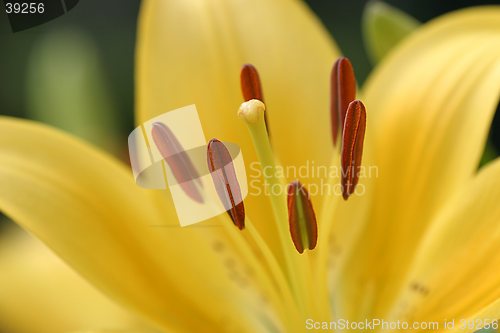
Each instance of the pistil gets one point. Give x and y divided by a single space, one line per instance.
252 112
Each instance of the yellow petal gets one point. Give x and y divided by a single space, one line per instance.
115 331
85 206
430 105
192 52
482 317
35 282
455 274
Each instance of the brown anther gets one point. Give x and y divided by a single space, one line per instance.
220 165
250 83
301 217
352 146
343 92
251 87
178 160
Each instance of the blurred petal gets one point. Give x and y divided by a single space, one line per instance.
114 331
86 207
431 104
384 27
485 315
35 282
455 273
192 52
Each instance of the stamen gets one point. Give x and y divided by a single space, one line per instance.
226 184
250 83
352 146
251 86
178 160
343 92
301 216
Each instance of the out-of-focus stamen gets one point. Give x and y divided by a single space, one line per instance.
220 165
343 92
352 146
301 217
178 160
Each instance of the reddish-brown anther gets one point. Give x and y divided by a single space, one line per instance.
220 165
251 88
178 160
250 83
352 146
343 92
301 217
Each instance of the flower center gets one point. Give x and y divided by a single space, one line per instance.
348 120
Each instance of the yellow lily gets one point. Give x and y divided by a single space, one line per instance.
421 244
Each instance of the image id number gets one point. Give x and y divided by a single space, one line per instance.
24 8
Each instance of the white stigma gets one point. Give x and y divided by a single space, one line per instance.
252 111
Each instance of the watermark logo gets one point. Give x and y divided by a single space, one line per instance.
171 152
206 179
318 179
25 14
379 324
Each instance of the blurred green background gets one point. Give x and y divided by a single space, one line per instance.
83 63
